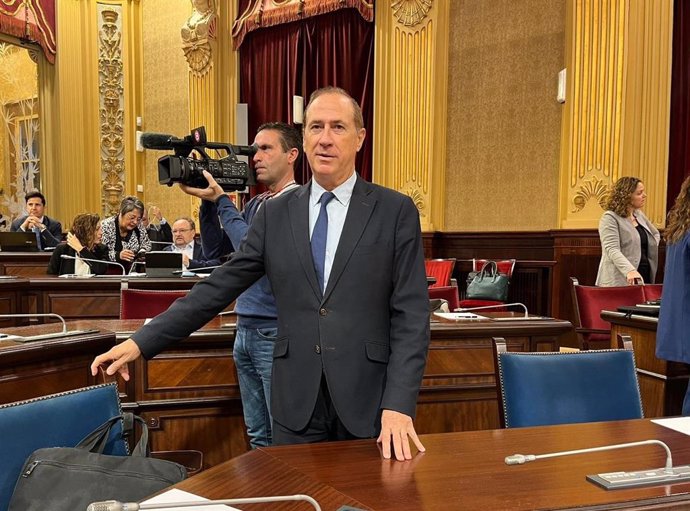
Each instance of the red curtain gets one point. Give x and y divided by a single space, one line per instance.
339 51
297 58
30 19
679 143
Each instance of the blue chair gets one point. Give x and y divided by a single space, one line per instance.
546 388
58 420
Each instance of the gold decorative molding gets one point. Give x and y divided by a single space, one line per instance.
591 189
410 12
111 112
197 33
615 120
410 97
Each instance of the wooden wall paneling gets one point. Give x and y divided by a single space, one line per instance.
11 293
24 264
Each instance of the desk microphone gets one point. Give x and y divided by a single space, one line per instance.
495 306
196 270
667 475
114 505
41 337
65 256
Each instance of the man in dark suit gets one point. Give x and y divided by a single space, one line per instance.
161 234
48 231
184 232
353 319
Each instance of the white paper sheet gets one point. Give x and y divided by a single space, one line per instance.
459 316
680 424
176 496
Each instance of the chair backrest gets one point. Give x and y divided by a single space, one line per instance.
441 270
58 420
545 388
505 266
448 293
652 292
147 303
589 301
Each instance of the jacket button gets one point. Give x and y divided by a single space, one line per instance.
317 349
323 312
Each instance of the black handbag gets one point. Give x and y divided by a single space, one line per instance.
69 478
487 284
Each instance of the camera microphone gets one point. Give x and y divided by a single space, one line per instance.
162 141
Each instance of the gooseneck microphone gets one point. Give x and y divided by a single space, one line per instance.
114 505
39 315
65 256
619 479
196 270
495 306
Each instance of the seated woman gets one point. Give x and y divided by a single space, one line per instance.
83 242
124 235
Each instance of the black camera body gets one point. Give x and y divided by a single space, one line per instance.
231 173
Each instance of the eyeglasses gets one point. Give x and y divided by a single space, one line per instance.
180 231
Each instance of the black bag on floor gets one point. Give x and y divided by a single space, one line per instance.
70 478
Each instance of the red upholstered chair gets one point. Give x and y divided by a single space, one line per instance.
588 302
448 293
147 303
441 270
652 292
505 266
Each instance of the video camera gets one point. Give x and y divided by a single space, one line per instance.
229 172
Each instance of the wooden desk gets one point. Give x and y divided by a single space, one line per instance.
662 383
460 471
189 394
24 264
12 291
38 368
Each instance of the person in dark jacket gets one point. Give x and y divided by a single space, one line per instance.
672 341
83 242
48 231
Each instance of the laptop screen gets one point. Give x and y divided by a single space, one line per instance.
163 264
19 241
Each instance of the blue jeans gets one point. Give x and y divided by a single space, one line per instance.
253 354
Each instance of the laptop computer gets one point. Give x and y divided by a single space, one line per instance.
19 241
163 264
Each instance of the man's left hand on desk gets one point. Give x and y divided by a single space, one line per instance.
397 429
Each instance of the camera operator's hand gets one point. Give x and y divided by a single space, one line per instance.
211 193
127 255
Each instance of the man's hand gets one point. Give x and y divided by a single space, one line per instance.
117 357
156 211
397 428
211 193
31 222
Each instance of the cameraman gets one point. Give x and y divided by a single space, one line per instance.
279 147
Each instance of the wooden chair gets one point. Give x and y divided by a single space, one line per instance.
588 302
147 303
546 388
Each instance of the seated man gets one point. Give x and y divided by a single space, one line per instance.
161 234
183 231
49 232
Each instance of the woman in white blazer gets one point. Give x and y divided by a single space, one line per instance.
629 241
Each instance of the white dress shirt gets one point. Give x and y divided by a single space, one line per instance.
337 211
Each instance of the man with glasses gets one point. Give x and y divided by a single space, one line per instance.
183 232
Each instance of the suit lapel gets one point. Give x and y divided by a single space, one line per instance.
358 213
298 209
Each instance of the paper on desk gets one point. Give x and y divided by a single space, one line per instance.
680 424
458 316
176 496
